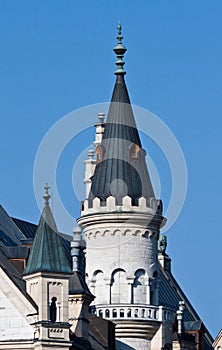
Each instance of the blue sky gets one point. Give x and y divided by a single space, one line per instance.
56 56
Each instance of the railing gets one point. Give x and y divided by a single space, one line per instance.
136 311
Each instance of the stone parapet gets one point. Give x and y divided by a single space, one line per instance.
151 206
116 312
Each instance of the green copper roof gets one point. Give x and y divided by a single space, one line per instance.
121 169
48 252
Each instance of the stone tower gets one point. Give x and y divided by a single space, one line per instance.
121 220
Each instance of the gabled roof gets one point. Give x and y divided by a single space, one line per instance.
48 252
10 234
15 277
18 252
27 228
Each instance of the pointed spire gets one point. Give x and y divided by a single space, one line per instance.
121 167
48 252
120 50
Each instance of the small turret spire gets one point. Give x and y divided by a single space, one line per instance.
46 195
48 252
120 50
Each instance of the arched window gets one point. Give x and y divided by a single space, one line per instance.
100 287
53 310
119 287
139 287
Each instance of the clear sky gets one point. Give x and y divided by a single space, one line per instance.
56 56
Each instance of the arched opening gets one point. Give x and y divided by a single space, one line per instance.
143 313
100 287
119 287
107 313
129 313
53 310
139 287
100 313
121 314
136 313
114 313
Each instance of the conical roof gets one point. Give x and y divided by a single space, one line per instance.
77 284
121 167
48 252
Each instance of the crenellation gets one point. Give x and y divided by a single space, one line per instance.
96 205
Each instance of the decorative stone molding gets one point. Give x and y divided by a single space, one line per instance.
121 232
55 333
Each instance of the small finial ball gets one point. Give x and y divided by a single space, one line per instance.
46 196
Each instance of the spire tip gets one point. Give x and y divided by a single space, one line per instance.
119 50
46 195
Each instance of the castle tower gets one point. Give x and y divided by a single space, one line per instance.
121 220
47 281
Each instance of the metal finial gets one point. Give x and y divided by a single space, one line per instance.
120 50
46 195
119 36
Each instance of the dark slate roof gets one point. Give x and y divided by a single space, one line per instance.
119 172
27 228
15 277
10 234
17 252
48 253
77 284
170 294
120 120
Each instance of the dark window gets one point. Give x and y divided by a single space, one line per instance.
53 310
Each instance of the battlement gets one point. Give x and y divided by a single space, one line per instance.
152 206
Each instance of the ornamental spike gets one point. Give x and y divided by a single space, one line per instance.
120 50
